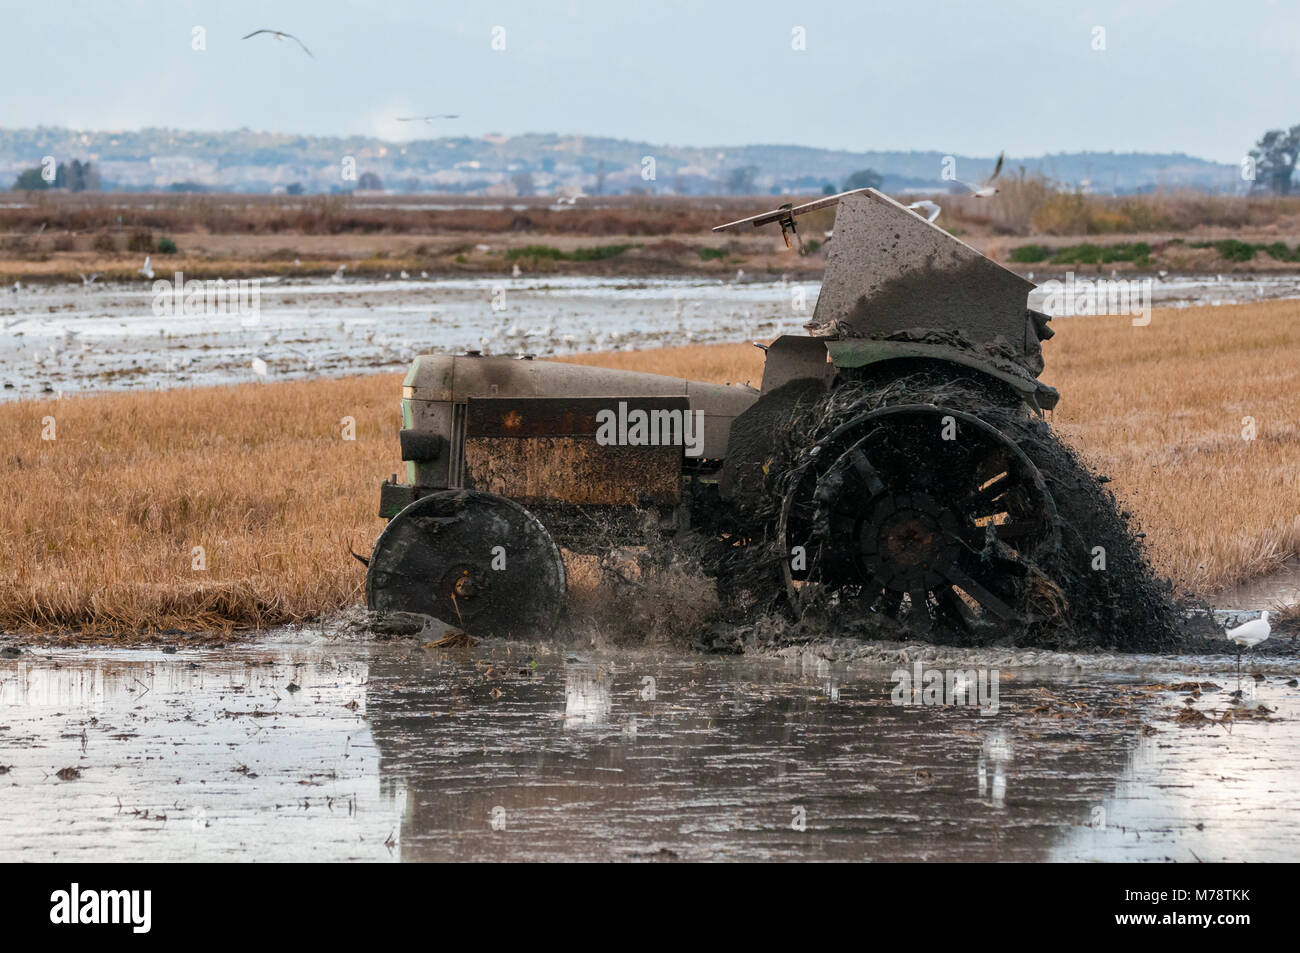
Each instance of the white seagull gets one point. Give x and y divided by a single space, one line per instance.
281 35
986 189
932 211
146 269
88 281
1250 635
338 275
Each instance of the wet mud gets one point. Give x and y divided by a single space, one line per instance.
1068 601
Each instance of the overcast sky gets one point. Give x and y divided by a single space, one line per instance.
1195 76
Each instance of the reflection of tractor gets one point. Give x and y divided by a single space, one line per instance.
891 462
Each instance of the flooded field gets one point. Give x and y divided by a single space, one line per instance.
315 749
1281 588
63 339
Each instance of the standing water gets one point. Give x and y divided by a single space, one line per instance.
313 751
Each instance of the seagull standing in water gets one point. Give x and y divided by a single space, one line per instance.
1250 635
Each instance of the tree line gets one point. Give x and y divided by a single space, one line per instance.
75 176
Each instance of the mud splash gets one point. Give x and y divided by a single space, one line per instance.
1125 606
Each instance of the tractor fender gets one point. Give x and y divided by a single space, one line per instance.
858 352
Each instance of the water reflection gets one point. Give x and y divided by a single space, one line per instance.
995 754
587 700
329 752
137 755
714 764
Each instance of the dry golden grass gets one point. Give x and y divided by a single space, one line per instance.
1161 410
98 526
720 363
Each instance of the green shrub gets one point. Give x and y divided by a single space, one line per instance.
166 246
1280 252
1234 250
597 253
712 254
1088 254
535 251
1029 254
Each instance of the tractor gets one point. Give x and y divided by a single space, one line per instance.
894 462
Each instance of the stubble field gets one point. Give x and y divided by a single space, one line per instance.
104 528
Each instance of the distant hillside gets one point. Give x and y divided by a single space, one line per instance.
249 161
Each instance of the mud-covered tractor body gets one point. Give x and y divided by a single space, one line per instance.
902 506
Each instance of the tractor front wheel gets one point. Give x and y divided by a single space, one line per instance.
471 559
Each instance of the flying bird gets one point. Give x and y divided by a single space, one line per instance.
1250 635
932 211
428 118
986 189
146 269
281 35
88 280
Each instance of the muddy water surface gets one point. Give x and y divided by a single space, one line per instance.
329 751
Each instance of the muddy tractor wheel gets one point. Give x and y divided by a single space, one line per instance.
471 559
921 512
